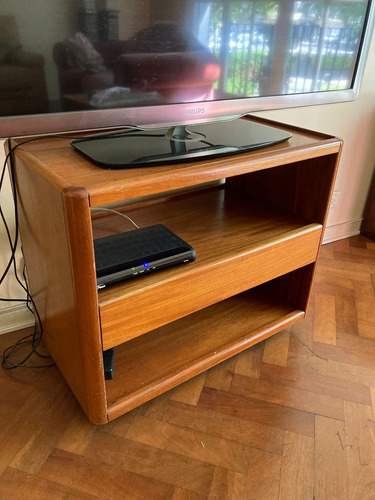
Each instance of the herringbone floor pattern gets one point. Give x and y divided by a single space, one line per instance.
291 418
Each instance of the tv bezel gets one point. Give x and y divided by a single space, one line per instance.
167 115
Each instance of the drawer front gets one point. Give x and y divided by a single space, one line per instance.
131 316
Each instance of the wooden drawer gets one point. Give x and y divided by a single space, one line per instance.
197 286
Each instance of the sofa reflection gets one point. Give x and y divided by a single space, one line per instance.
161 59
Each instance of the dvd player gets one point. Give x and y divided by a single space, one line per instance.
138 252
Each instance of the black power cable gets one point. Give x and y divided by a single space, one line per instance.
35 338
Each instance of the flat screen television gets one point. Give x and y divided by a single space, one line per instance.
87 64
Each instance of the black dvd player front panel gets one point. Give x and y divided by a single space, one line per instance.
138 252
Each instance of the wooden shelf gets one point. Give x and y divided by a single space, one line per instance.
219 223
256 233
240 243
157 361
63 167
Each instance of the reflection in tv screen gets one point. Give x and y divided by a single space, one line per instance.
65 55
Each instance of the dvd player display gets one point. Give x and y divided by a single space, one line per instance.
138 252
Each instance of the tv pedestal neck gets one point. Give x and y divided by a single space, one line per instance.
257 238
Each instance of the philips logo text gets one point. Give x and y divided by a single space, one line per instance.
194 111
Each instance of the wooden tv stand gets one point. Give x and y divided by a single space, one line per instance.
257 237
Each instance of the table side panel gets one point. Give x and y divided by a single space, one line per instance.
79 234
50 273
303 188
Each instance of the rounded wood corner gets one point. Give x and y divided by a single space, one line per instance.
75 192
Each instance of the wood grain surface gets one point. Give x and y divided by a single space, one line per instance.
63 166
290 418
263 225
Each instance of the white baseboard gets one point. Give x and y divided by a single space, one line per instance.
15 318
343 230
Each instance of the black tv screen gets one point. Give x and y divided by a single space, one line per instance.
69 64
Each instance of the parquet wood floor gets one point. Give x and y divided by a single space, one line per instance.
291 418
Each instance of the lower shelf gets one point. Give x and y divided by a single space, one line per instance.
155 362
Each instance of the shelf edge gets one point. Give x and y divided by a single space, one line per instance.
127 403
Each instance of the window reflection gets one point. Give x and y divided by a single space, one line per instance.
91 54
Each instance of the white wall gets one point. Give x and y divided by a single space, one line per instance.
13 315
354 122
